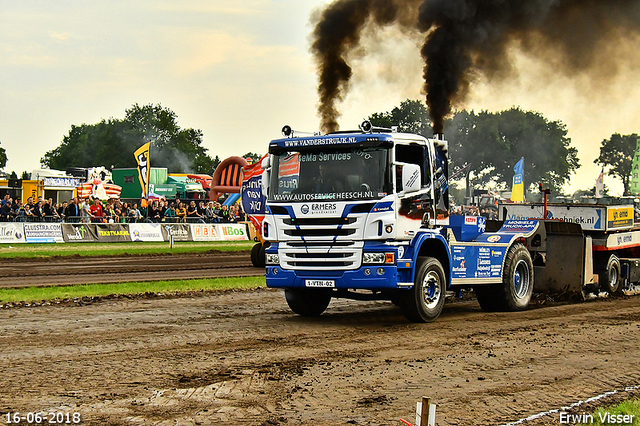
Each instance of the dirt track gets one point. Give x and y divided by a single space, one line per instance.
243 358
72 270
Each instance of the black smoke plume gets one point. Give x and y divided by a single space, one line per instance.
469 38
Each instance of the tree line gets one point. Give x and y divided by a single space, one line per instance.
489 145
111 143
486 144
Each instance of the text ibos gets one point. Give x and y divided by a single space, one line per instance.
229 230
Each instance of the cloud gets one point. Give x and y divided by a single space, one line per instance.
208 52
218 7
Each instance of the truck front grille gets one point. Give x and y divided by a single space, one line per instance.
318 257
331 232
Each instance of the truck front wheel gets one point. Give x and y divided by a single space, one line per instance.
308 302
517 279
424 302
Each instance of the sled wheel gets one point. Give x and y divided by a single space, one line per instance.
610 278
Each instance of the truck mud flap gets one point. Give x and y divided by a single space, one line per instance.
567 267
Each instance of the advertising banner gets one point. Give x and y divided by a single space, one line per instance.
43 232
79 233
252 198
112 232
204 232
591 218
146 232
619 217
232 231
11 232
179 231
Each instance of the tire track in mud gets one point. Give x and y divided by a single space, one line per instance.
243 357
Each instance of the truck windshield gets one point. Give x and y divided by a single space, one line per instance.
344 174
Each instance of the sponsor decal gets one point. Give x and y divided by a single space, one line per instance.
43 232
233 232
61 181
112 232
296 143
619 217
146 232
204 232
349 195
179 232
493 238
471 220
79 233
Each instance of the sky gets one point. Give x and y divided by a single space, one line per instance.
241 69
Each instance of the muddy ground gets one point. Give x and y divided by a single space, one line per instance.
242 358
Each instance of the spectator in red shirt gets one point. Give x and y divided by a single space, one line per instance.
96 211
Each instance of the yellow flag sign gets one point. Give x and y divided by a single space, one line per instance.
142 159
517 189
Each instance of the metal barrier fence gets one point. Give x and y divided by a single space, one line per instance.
107 219
40 232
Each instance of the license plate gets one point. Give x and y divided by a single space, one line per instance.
320 283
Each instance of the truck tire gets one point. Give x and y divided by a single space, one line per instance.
517 279
488 298
424 302
262 255
610 279
308 302
255 255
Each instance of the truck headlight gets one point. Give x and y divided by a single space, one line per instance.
378 258
272 259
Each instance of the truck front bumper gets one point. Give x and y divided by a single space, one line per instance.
369 277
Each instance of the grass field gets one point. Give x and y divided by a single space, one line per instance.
57 293
114 249
39 294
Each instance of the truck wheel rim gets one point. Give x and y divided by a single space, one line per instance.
521 277
431 290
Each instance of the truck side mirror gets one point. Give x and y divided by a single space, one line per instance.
411 178
266 166
265 181
266 162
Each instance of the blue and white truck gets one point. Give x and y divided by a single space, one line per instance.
365 215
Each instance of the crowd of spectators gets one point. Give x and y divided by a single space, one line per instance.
93 210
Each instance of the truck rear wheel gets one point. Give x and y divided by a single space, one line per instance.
308 302
424 302
609 279
517 279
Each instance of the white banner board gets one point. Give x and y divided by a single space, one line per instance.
145 232
11 232
43 232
